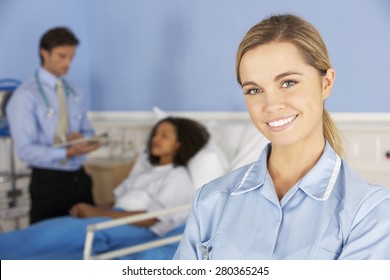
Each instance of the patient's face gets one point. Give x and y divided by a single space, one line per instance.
283 94
164 143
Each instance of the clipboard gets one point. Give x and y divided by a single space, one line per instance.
101 138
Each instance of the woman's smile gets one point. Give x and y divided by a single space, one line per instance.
281 123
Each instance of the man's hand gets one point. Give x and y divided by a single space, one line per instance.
81 148
74 135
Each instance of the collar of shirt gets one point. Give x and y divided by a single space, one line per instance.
318 183
48 78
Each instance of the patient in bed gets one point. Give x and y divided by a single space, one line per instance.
158 183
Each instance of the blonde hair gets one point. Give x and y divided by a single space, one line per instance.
295 30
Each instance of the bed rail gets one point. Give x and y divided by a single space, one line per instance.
129 220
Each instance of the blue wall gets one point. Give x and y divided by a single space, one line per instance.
180 55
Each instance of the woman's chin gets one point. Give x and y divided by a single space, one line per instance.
283 142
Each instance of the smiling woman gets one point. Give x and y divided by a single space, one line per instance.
299 200
288 103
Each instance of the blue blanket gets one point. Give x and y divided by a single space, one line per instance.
63 239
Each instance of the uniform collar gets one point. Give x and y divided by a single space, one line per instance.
318 183
255 176
320 180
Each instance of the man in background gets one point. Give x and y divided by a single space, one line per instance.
46 112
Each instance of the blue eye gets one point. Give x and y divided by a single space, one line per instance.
253 91
288 83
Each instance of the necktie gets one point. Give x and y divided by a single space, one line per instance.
62 125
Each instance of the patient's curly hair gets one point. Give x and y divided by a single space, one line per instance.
192 135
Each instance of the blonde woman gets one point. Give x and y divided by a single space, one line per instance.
300 199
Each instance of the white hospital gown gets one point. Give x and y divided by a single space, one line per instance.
155 188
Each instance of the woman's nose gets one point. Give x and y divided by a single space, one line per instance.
274 102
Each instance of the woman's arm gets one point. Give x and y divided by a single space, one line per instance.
84 210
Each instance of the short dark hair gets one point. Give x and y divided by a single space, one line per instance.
55 37
192 136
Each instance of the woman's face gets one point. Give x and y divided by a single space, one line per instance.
283 94
164 142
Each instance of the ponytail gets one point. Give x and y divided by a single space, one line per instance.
332 134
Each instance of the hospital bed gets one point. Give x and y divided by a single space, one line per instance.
111 239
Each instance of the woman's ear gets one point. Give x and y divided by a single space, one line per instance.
327 83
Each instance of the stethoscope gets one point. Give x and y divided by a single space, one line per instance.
50 112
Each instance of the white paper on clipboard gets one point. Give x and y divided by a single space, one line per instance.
102 138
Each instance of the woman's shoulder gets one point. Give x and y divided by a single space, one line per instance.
355 185
359 196
177 173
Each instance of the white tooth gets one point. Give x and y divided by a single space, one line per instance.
281 122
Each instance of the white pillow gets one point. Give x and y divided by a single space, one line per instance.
251 144
159 114
209 163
